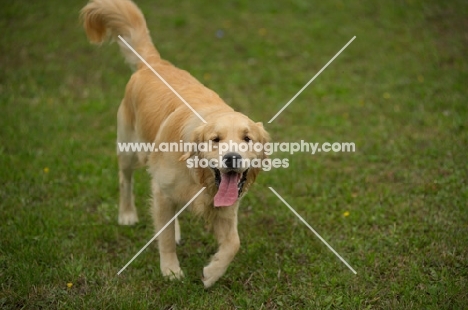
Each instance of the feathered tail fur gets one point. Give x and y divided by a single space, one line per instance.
103 19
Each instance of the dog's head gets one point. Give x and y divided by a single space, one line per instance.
229 155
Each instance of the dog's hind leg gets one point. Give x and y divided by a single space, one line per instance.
128 161
177 231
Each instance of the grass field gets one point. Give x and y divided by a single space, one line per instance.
396 209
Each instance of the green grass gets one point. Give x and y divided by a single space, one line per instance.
398 91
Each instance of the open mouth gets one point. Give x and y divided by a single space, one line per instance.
229 186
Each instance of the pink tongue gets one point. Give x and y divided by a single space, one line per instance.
227 192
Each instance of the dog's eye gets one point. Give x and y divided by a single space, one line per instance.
216 140
247 139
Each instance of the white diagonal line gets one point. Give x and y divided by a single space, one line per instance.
161 230
162 79
311 80
321 239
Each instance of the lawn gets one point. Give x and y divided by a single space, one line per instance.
396 209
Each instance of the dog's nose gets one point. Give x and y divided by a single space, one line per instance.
232 160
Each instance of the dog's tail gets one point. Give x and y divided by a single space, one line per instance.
110 18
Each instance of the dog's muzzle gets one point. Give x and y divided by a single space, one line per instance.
230 180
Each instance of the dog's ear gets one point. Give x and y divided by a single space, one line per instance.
195 137
263 136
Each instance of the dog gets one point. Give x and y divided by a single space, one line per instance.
150 112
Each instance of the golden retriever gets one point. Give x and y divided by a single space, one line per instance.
151 112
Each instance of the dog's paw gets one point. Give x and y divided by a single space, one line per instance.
211 274
128 218
171 274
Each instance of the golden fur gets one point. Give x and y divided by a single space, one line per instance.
150 112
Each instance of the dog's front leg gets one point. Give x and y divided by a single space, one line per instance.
163 212
225 229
